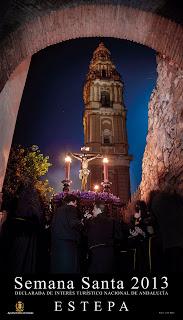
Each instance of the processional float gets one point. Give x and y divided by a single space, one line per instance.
85 157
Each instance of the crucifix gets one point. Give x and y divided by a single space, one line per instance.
84 158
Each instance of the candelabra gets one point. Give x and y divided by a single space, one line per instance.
66 185
106 186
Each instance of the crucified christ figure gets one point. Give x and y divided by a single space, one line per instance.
84 172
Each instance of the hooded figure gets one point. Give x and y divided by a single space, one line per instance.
65 236
168 211
21 231
101 234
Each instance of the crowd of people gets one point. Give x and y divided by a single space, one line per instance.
93 242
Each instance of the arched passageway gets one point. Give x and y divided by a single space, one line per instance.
163 160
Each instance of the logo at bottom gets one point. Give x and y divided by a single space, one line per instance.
19 306
19 309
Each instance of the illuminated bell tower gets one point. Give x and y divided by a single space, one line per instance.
104 121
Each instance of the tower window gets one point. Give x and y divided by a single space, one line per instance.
107 136
103 74
106 140
105 99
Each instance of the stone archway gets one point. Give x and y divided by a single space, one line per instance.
162 159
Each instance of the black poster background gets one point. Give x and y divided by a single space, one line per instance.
155 306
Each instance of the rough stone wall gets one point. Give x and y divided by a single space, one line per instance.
15 12
163 158
9 104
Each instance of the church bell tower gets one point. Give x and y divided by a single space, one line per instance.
104 121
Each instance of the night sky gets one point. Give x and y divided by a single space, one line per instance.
50 113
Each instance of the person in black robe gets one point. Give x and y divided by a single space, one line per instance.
101 234
21 231
138 241
44 240
65 236
167 209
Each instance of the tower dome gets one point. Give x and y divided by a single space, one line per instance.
101 65
101 52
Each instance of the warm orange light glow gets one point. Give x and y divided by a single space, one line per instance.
85 149
105 160
68 159
96 187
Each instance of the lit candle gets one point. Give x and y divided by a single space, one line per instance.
96 187
67 167
106 176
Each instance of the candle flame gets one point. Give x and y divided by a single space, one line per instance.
105 160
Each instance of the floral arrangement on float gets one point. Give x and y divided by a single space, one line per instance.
90 197
87 199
